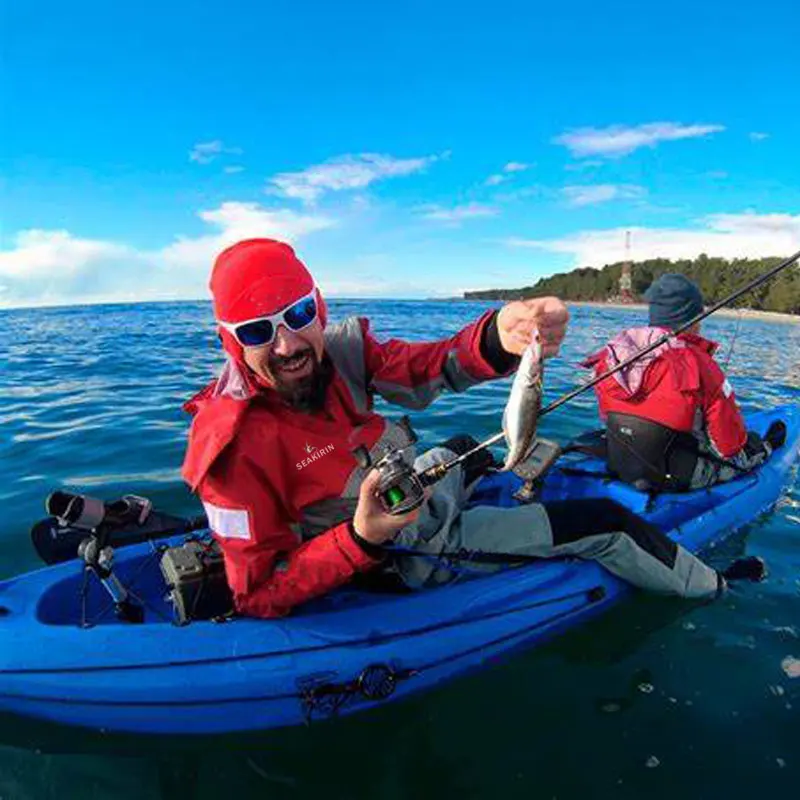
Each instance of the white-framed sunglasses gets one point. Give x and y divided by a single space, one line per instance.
261 330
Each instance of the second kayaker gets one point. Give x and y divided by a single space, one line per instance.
671 417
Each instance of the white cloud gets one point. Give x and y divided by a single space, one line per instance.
746 235
54 267
750 222
238 221
206 152
243 220
600 193
758 136
508 170
620 140
344 173
458 214
38 253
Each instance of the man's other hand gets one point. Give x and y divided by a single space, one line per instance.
517 321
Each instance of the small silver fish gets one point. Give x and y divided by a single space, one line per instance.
524 402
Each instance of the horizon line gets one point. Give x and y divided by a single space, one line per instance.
152 301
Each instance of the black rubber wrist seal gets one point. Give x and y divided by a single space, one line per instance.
492 351
372 550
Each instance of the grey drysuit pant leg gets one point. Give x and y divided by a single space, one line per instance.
709 473
640 554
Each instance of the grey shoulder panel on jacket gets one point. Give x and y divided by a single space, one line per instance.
344 344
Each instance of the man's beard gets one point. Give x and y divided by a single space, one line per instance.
307 393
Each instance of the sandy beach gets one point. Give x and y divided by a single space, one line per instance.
745 313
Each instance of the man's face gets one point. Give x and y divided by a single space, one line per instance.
292 362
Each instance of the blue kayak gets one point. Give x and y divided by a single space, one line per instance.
344 653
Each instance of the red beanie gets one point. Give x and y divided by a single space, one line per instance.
254 278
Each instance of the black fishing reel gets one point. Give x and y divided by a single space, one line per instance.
401 488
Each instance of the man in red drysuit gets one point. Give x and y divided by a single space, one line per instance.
672 418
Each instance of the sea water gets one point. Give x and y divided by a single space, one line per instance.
656 699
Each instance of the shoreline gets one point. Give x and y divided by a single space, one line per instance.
745 313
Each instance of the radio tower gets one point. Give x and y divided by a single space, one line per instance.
625 282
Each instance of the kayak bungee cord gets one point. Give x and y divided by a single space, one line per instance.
327 698
432 474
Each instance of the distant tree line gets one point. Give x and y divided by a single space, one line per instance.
716 277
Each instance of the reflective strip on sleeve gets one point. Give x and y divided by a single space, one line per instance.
727 389
229 523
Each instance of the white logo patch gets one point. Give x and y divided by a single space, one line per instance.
315 453
727 389
229 523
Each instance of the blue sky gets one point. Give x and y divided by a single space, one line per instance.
411 150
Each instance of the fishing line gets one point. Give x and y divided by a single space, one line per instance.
733 340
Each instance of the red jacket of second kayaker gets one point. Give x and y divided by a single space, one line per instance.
679 385
280 486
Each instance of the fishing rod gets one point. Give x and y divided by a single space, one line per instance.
439 470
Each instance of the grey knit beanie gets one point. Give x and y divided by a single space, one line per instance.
674 300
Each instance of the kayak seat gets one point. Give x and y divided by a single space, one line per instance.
591 443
